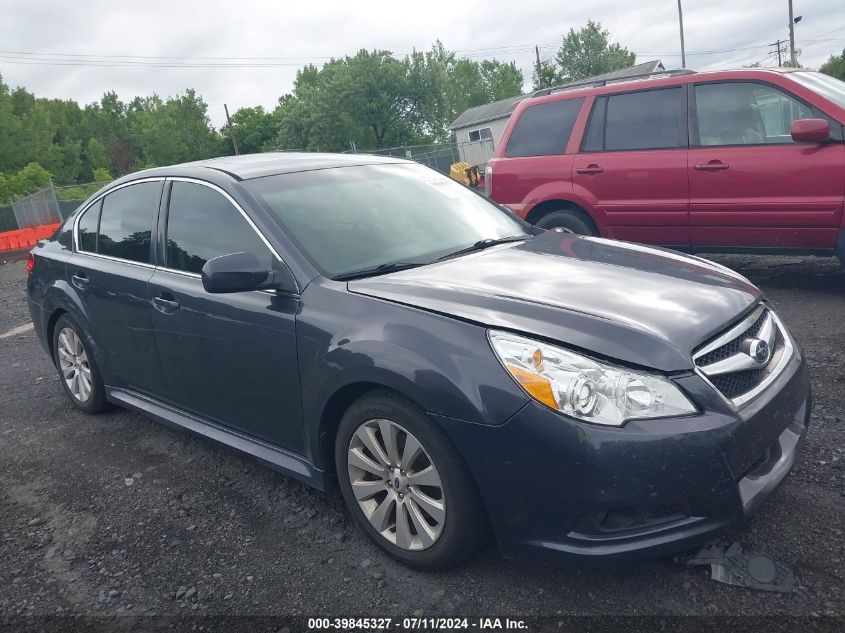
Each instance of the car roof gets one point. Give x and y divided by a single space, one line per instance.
247 166
657 79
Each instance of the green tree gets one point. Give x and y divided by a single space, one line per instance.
835 66
589 51
254 128
28 180
95 155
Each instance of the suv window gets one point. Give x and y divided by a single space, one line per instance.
544 129
203 224
86 235
746 113
651 119
594 137
126 221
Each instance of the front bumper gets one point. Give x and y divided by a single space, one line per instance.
557 489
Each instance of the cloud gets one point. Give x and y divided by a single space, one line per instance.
294 33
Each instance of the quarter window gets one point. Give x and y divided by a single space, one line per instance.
203 224
126 222
745 113
651 119
544 129
87 228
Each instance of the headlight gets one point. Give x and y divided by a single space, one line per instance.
584 388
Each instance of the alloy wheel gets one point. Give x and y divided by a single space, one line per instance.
396 484
74 365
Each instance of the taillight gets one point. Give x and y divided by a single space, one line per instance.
30 262
488 180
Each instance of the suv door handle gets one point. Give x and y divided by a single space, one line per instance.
80 280
589 169
165 305
713 165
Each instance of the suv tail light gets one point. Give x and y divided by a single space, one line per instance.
488 180
30 262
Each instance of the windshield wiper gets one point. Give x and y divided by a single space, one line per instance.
381 269
480 245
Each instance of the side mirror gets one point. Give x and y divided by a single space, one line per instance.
811 131
241 272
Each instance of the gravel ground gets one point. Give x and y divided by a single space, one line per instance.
115 514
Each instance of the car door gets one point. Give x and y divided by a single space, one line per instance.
229 358
750 184
110 269
631 170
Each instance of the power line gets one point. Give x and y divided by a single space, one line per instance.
163 61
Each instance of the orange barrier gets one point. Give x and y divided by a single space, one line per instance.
25 238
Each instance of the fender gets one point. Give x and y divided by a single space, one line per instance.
452 373
560 192
61 295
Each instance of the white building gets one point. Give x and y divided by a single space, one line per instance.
479 129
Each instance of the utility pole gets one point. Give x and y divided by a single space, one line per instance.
231 130
780 51
537 65
793 62
681 22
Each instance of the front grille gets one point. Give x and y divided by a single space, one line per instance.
733 385
731 347
735 362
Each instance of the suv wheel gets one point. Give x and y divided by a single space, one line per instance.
77 367
567 221
405 483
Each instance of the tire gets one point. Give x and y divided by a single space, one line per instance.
73 358
442 544
569 221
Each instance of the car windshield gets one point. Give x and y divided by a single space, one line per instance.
394 215
825 85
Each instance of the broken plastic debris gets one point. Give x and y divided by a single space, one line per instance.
731 565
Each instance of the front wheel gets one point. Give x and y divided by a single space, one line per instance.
405 483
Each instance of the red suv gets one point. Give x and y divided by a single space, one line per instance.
744 160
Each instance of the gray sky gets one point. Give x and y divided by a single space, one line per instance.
82 40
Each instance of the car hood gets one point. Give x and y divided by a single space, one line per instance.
637 304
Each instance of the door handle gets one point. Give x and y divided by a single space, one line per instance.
165 305
80 280
589 169
713 165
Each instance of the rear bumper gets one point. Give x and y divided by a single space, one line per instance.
558 490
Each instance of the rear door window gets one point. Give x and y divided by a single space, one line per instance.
544 129
651 119
594 137
126 222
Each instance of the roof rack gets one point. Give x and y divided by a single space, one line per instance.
592 83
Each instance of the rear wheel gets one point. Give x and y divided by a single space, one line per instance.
405 483
77 368
567 221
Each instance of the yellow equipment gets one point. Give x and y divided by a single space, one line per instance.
465 173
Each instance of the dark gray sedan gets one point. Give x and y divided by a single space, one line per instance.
368 323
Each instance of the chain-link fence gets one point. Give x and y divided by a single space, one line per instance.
47 206
37 209
439 156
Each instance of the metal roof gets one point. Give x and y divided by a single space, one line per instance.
487 112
